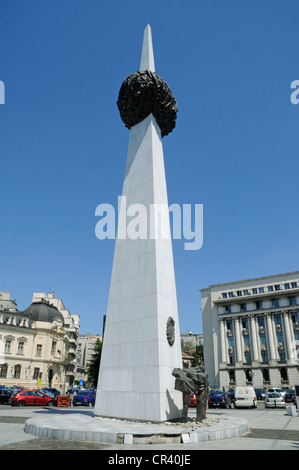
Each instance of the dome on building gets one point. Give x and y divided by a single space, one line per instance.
43 311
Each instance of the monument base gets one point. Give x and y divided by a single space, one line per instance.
86 427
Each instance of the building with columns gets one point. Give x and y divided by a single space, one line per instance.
251 332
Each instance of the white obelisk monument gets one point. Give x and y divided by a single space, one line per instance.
141 343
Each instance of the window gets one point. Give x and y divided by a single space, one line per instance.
277 320
254 290
239 293
263 338
261 321
294 317
3 371
228 309
39 350
17 371
279 335
282 355
246 340
275 303
261 290
21 347
259 305
247 359
230 294
264 355
243 307
292 300
283 375
36 373
287 285
277 287
53 348
270 289
230 342
249 375
229 325
224 295
266 377
244 322
7 346
293 285
245 292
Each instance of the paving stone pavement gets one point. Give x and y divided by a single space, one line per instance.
270 430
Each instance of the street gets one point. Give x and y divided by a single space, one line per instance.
270 429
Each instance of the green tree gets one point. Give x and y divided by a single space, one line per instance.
186 345
198 356
94 365
67 364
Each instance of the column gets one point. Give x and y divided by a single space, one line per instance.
223 341
288 339
255 353
271 344
239 357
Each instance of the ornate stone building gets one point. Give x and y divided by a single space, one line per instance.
251 332
33 346
71 324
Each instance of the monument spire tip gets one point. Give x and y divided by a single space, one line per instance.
147 55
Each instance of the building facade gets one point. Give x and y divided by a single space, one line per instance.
71 324
251 332
192 339
86 345
33 344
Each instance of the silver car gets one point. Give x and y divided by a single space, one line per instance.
277 390
274 399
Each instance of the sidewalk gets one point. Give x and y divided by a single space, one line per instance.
270 430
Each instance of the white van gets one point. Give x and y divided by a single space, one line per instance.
245 397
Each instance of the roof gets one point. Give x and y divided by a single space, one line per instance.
272 276
43 311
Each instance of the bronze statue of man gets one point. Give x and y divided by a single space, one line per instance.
193 380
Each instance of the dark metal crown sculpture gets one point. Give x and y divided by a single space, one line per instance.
143 93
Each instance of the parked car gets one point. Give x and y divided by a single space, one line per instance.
274 399
218 398
52 391
73 390
31 398
290 396
84 397
192 399
245 397
260 393
5 395
276 390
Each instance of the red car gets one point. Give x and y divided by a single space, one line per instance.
192 399
31 397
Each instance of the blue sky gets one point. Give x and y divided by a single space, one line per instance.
63 145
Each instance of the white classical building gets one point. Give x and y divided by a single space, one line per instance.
251 332
38 346
71 324
33 345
